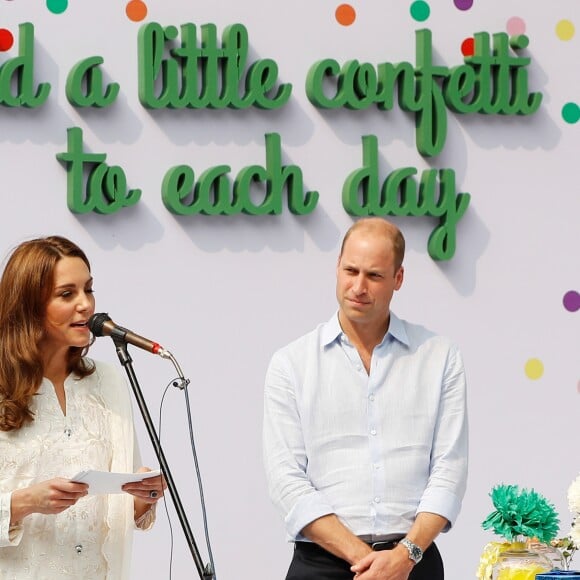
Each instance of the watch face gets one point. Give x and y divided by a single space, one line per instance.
415 553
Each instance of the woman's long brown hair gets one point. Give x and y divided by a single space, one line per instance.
25 288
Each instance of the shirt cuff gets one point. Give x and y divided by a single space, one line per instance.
307 509
146 520
442 502
10 534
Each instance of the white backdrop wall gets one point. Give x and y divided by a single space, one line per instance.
223 292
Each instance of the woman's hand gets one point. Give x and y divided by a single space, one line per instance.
48 497
145 492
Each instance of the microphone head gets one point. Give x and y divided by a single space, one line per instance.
97 322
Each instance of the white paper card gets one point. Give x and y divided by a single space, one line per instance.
108 482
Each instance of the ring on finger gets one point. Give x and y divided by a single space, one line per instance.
153 494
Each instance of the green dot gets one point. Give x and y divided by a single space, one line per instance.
571 113
57 6
420 10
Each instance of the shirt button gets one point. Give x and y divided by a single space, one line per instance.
373 431
377 499
68 432
376 466
79 548
371 398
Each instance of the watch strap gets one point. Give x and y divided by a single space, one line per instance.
415 553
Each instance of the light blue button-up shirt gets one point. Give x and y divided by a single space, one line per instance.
374 449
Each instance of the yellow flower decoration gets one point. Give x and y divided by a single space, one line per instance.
522 573
489 557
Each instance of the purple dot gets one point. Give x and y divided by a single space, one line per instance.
571 301
463 4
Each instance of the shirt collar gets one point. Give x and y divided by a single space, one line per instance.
332 330
397 330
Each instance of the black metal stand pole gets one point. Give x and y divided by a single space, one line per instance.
205 573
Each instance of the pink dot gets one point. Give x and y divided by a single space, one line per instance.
516 26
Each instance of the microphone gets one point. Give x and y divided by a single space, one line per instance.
102 325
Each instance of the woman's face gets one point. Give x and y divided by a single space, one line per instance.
70 305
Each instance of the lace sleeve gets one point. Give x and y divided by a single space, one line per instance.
10 534
146 520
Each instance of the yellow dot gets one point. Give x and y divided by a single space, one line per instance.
534 369
565 30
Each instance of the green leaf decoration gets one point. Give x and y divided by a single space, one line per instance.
521 512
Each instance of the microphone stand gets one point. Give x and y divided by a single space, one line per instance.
205 573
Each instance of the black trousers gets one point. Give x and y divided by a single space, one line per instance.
311 562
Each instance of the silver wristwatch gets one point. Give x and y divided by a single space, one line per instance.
415 553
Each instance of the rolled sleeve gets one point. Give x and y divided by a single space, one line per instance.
448 479
305 510
442 502
284 451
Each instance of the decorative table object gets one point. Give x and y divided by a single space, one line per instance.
559 575
519 563
519 514
570 544
567 548
552 551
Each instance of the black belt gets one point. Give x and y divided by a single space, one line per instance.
378 546
311 547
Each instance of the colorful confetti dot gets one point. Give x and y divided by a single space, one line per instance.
136 10
571 113
468 47
571 301
420 10
565 30
534 369
57 6
345 14
463 4
516 26
6 40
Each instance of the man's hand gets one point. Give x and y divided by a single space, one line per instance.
392 564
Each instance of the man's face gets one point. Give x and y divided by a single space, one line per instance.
366 278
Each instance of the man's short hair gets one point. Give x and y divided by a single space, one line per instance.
390 230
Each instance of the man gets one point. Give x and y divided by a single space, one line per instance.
365 428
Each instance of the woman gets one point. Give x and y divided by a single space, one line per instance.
61 413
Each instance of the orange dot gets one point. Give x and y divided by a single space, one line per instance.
468 47
345 14
136 10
